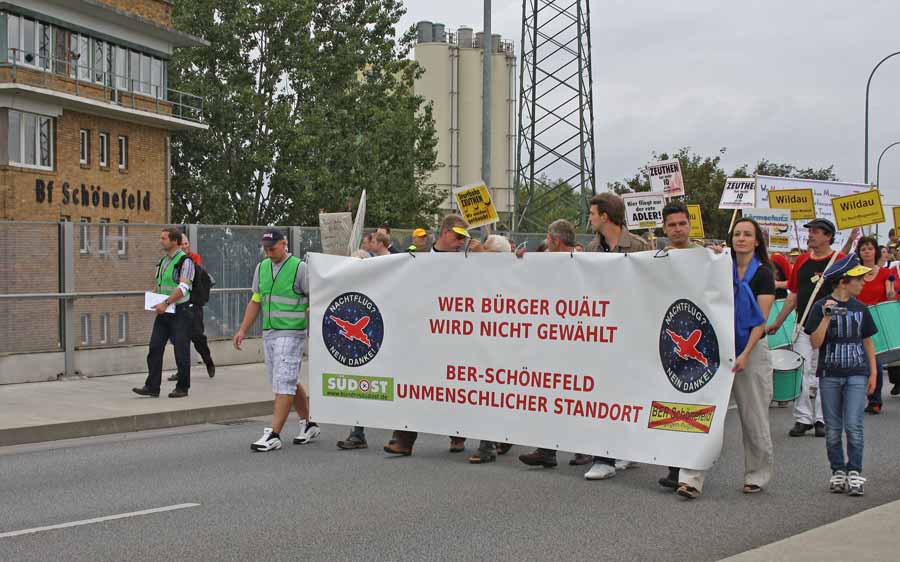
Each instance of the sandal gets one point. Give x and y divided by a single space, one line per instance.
688 492
481 458
503 448
751 489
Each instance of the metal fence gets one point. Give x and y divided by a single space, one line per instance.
75 286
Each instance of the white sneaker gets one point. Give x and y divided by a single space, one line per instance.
838 482
600 471
624 465
856 484
307 433
267 442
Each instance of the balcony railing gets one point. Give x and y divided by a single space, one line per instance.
71 76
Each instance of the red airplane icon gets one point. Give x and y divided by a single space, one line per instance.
687 348
354 331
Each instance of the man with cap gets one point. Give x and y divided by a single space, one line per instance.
840 328
419 241
793 255
806 287
280 289
453 234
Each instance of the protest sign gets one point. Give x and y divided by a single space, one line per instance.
800 202
335 230
823 192
696 217
476 205
896 212
666 178
356 234
523 356
643 210
859 209
776 225
739 193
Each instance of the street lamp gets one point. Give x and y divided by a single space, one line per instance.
869 83
878 175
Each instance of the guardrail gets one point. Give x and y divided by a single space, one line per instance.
114 88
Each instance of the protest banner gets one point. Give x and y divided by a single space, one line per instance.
776 225
335 230
896 213
522 356
696 217
356 234
859 209
739 193
644 210
800 202
476 205
823 192
666 178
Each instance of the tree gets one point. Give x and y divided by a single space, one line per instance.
308 103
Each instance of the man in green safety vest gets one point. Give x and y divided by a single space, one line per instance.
174 278
280 288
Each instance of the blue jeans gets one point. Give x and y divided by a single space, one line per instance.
843 403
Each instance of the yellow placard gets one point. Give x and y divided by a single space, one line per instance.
859 209
696 218
687 418
896 211
800 202
476 205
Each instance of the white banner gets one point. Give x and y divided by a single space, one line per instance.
644 210
665 177
739 193
823 192
356 234
638 369
776 224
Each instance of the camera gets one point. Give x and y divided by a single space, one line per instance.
832 310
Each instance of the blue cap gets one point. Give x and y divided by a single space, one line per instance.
271 237
846 267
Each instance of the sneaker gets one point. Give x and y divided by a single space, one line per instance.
268 442
539 458
873 409
799 429
820 429
625 465
600 471
838 482
173 377
856 484
308 432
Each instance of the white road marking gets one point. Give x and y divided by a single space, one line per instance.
97 520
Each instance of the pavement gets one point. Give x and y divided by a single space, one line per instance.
100 498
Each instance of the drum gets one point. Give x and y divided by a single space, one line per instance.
787 374
781 338
887 340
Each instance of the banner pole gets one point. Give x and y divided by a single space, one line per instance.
733 218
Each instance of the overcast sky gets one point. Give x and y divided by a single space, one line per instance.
775 79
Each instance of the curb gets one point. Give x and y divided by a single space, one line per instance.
126 424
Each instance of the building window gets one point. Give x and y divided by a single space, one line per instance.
85 329
60 50
122 238
123 152
121 68
135 67
104 150
104 236
104 328
84 235
29 39
99 61
65 218
123 327
156 79
12 39
45 47
30 140
85 147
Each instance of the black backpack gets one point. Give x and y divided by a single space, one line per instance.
203 283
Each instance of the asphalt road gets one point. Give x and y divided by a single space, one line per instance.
317 503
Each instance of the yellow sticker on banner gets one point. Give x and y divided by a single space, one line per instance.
476 205
859 209
800 202
696 221
686 418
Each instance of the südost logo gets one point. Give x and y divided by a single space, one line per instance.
353 329
688 347
355 386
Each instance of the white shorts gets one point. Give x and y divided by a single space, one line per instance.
284 356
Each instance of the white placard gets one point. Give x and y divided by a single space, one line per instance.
335 229
739 193
153 299
644 210
666 178
356 234
639 369
776 224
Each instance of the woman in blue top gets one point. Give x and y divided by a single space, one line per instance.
754 293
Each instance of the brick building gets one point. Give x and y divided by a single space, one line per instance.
85 123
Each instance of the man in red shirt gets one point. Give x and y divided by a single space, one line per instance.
782 274
805 289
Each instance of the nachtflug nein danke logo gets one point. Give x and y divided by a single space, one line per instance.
688 347
353 329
